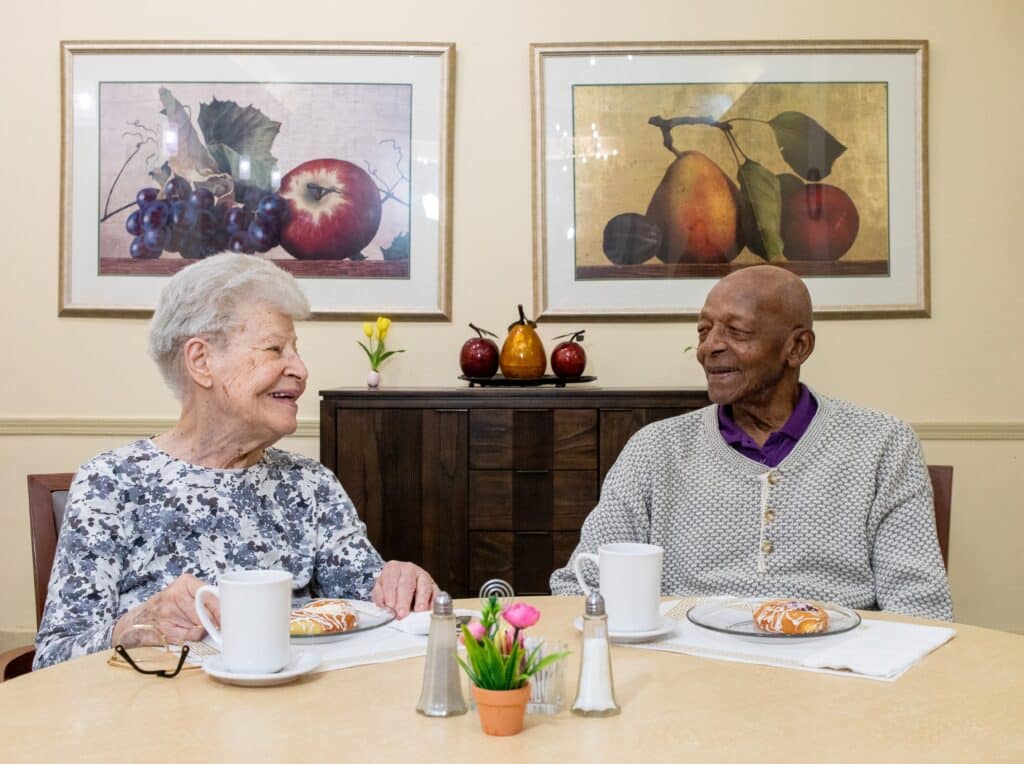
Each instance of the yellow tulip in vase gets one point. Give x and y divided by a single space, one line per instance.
500 667
374 348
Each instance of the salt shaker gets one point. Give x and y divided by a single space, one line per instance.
595 695
442 693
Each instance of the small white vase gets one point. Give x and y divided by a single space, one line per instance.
373 379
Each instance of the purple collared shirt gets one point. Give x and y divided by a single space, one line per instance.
780 443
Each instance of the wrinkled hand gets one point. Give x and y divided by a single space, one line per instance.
173 611
404 587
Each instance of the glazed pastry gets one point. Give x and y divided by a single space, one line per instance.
791 617
323 616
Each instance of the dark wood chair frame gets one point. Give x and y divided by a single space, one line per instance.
44 531
41 488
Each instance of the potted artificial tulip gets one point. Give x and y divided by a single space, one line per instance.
500 667
375 351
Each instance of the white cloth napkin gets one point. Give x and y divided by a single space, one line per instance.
881 650
419 623
375 646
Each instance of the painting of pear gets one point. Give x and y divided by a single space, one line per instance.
697 207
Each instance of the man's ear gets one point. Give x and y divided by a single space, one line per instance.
197 356
801 347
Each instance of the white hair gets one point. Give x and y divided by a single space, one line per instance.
204 299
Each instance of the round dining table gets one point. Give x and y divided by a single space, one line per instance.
963 702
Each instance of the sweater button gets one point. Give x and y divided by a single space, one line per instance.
767 546
773 478
769 515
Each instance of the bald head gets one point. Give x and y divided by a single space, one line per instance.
771 293
754 332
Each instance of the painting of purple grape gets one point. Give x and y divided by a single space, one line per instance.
315 176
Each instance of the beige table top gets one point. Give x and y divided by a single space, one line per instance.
964 702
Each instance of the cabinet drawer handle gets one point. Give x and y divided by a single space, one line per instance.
533 472
450 411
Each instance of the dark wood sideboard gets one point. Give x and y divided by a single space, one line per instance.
478 483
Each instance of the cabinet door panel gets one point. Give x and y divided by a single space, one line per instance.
445 503
534 440
491 439
564 545
533 501
575 494
617 427
490 500
359 466
401 450
575 443
491 555
533 563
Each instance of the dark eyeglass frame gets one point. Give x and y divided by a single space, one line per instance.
162 673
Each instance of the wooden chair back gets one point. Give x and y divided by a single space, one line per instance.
942 486
47 495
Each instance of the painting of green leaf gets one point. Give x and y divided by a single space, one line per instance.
695 180
315 176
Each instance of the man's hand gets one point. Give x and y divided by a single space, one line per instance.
404 587
173 611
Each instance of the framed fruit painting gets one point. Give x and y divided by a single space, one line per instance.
661 167
333 160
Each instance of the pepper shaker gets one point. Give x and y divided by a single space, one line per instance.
595 695
442 693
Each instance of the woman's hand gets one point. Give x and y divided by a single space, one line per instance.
172 611
404 587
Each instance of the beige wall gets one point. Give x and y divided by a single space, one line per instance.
963 366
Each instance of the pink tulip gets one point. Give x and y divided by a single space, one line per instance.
476 630
521 615
507 648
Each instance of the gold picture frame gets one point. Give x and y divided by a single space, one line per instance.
245 120
660 167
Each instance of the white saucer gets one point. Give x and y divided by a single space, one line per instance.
302 662
666 627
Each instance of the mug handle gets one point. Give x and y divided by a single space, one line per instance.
204 617
577 567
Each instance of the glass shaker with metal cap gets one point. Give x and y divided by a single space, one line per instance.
442 692
595 695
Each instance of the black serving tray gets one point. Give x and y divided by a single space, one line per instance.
548 379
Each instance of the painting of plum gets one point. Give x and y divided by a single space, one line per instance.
695 180
315 176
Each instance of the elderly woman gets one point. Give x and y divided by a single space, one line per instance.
148 523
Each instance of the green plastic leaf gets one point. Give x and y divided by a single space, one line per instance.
762 189
192 161
806 146
232 132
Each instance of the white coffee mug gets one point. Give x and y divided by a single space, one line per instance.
254 609
630 582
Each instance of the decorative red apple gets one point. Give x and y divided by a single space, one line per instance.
333 210
569 359
479 355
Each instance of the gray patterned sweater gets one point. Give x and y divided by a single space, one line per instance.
847 517
138 518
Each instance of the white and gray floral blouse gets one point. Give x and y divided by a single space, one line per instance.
138 518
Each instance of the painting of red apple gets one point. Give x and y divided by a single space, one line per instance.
694 180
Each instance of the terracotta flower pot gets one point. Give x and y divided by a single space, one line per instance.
502 711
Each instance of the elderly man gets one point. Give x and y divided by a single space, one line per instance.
776 490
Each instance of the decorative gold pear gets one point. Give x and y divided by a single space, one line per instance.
522 355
